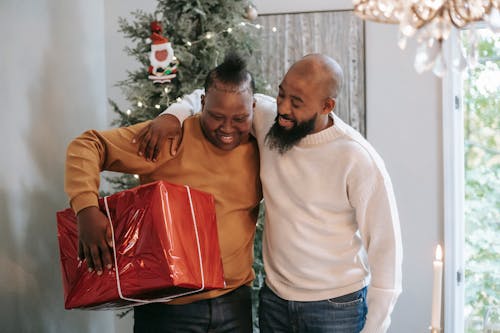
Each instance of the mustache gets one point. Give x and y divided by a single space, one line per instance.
284 116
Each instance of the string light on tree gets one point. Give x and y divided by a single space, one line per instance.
211 35
156 36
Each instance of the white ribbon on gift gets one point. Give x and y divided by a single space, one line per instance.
171 297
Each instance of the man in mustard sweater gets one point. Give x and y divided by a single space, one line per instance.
216 155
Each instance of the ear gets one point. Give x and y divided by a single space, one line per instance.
202 102
254 103
329 105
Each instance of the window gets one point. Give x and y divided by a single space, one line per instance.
471 138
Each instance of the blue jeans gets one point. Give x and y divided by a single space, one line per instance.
229 313
344 314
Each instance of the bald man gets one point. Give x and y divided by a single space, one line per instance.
332 244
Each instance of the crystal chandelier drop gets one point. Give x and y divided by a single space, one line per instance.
431 21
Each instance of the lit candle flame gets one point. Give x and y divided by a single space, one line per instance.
439 253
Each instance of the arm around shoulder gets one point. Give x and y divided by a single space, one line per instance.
264 114
167 125
186 107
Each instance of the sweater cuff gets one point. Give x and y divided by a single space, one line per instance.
84 200
380 305
180 111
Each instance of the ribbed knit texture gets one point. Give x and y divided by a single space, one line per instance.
332 225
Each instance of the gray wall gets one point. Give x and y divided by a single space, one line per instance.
58 63
51 89
404 125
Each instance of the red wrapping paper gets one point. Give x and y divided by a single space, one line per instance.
161 251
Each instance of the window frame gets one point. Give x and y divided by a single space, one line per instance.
453 188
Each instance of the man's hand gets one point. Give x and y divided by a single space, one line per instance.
153 137
94 239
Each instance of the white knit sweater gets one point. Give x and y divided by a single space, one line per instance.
331 224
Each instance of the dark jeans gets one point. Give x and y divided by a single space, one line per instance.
231 312
344 314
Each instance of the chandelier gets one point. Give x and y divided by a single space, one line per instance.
431 22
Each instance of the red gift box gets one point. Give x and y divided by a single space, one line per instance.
166 246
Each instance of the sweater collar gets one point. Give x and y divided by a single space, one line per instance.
326 135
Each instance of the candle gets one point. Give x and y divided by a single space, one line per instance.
436 288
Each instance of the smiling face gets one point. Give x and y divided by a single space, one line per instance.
305 99
301 98
226 117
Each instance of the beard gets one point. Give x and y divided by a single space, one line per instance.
282 139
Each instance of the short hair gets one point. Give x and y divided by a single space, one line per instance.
232 71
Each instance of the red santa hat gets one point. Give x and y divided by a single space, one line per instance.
156 27
157 39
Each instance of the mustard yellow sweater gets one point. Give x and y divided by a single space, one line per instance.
231 176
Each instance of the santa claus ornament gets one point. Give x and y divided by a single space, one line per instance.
163 66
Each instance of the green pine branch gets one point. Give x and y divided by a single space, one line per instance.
184 22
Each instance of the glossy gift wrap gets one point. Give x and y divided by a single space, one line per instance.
165 246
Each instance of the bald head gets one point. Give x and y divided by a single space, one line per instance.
321 70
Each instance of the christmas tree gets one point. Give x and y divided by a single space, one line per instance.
200 34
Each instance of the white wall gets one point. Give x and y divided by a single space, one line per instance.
404 125
51 89
298 6
117 61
